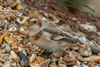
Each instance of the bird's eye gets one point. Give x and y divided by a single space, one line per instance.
34 22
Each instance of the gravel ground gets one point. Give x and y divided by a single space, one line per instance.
34 38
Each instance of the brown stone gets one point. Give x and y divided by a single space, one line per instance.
62 65
0 64
45 63
19 7
95 58
53 65
15 46
40 59
34 65
67 58
2 36
9 39
91 64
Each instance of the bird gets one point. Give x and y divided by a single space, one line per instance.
41 36
46 36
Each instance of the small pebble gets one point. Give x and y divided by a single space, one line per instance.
40 59
0 64
13 29
32 58
7 64
45 63
19 7
14 64
13 55
34 65
8 48
89 27
23 59
85 65
83 39
53 65
62 65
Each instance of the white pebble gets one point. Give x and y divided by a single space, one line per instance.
89 27
83 39
13 55
32 58
7 64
